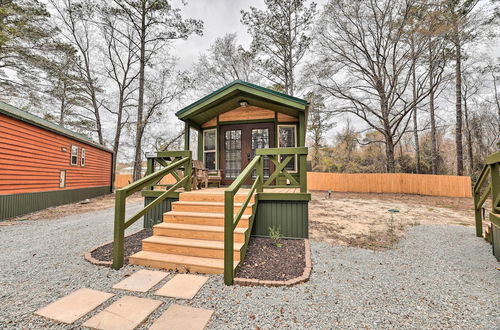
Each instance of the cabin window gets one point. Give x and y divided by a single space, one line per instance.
210 149
82 160
287 138
74 155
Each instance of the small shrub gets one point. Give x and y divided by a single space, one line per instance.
275 234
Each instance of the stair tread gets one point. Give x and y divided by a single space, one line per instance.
208 203
182 259
202 214
190 242
171 225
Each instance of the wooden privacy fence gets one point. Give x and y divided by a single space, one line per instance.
422 184
122 180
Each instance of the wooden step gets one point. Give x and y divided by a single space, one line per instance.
181 230
208 196
208 207
188 247
179 263
199 218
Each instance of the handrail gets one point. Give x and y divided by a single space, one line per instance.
491 170
231 222
149 181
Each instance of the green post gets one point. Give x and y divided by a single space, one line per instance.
188 172
228 237
478 215
200 145
119 228
495 186
302 130
149 168
186 136
303 173
260 174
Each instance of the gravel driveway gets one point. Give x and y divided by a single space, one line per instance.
439 276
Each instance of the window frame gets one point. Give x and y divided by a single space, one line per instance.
83 157
212 150
296 168
71 155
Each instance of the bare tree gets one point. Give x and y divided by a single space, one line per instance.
281 34
363 64
156 23
319 123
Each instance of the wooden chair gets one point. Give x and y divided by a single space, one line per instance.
215 176
200 175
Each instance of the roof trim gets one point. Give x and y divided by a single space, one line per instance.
287 98
29 118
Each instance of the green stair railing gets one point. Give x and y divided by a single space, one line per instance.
484 188
256 168
181 160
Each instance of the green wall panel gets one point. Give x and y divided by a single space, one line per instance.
156 214
15 205
496 240
290 216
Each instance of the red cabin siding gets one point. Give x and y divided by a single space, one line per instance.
31 159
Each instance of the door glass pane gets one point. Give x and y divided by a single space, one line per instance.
209 140
260 140
232 153
287 140
210 160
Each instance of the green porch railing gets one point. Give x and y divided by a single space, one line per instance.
492 188
257 164
178 160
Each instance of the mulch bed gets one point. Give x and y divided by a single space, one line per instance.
265 261
132 244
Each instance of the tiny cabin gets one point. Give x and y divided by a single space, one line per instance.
43 164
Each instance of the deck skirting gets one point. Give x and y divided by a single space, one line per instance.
291 217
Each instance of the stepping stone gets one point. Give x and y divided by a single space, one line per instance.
183 286
178 317
70 308
124 314
141 281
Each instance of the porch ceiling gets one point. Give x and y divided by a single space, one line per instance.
228 97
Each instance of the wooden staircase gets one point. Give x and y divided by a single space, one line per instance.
191 237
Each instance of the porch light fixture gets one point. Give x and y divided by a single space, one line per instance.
243 103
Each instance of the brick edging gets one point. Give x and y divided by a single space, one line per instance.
92 260
294 281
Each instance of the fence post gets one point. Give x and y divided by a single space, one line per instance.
228 237
119 231
303 173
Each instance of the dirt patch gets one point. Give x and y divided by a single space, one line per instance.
363 219
265 261
90 205
132 244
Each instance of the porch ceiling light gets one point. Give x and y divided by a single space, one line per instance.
243 103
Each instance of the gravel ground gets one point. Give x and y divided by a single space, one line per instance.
439 276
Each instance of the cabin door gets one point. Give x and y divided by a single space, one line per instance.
238 144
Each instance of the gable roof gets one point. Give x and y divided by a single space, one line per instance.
229 95
30 118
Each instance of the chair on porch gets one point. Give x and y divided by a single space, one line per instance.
200 175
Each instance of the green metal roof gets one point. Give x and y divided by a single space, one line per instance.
29 118
239 88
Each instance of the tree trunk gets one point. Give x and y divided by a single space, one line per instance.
458 96
389 153
434 149
140 106
470 152
415 119
118 131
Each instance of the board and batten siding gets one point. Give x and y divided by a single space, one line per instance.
31 159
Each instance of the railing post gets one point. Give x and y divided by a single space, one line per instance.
495 185
150 163
228 237
303 173
189 173
119 230
478 215
260 174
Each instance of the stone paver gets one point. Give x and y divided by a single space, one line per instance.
75 305
124 314
178 317
183 286
141 281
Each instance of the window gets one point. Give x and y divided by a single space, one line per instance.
74 155
287 138
82 160
210 149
